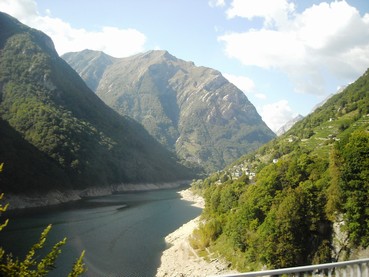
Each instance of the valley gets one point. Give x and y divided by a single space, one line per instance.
104 143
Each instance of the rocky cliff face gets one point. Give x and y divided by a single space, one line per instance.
191 110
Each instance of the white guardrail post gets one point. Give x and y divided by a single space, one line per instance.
338 269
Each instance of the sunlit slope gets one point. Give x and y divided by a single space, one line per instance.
302 198
191 110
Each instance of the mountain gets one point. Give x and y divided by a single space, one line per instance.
55 131
192 111
91 65
289 124
339 90
300 199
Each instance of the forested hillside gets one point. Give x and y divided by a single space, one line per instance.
56 133
285 204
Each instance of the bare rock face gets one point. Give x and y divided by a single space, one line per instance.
191 110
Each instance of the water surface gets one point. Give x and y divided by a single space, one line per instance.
123 234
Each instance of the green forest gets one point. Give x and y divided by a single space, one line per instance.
307 181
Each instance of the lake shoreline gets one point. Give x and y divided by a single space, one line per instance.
180 259
57 197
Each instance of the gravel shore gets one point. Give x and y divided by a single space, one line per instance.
180 259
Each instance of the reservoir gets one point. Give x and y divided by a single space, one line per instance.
122 234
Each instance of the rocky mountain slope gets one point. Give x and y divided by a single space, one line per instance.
55 131
193 111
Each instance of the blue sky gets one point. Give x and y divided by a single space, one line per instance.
285 55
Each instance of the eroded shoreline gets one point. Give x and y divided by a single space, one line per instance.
180 259
56 197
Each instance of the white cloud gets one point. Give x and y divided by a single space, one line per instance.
273 11
260 95
330 40
20 9
242 82
113 41
245 84
275 115
263 48
216 3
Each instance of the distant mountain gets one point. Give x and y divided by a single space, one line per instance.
55 131
288 125
341 89
91 65
300 199
192 111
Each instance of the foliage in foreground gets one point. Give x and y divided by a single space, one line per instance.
32 265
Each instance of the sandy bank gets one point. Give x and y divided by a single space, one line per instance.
55 197
181 259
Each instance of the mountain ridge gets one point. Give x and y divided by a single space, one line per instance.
192 110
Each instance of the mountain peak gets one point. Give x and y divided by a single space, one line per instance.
10 26
159 53
192 110
91 63
152 56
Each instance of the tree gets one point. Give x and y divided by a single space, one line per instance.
284 233
355 187
31 266
334 193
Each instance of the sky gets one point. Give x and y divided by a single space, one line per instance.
287 56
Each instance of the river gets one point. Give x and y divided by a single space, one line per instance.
123 234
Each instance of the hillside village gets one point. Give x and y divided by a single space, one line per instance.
326 136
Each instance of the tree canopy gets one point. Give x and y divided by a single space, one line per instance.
281 212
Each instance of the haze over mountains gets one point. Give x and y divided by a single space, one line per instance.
288 125
192 111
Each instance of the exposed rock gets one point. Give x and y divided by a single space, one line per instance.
22 201
192 110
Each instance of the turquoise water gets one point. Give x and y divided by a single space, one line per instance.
123 234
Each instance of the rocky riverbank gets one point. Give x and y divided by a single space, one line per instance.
180 259
22 201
